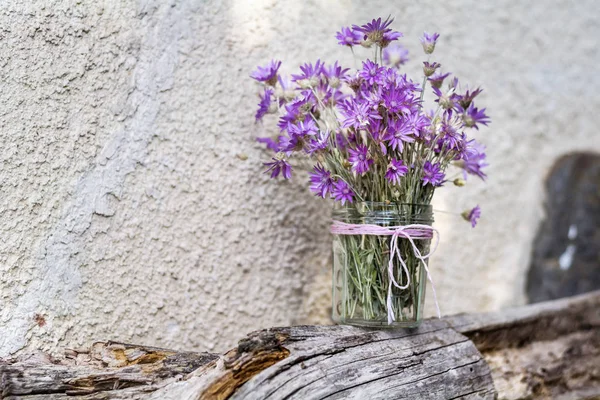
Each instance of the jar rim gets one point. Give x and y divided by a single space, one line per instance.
383 204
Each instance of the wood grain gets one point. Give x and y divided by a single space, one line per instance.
545 350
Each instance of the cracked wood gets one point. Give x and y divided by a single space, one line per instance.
545 350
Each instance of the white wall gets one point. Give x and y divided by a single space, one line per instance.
128 209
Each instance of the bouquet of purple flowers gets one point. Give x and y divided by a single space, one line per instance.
375 144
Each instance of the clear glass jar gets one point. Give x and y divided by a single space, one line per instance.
360 267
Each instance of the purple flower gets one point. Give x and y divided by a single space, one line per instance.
359 159
267 74
432 174
264 104
399 132
320 181
452 137
406 84
378 32
376 130
335 75
348 37
311 74
466 99
419 124
372 73
397 100
437 79
472 116
289 144
319 143
341 192
395 170
297 110
358 114
446 100
391 77
340 140
474 159
354 82
269 142
428 42
279 165
429 68
472 216
395 55
308 127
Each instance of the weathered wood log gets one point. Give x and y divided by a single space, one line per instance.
544 350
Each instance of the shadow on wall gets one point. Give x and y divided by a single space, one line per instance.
566 251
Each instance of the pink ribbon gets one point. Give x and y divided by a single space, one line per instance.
411 233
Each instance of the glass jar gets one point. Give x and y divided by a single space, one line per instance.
362 294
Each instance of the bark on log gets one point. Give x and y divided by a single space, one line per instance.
544 350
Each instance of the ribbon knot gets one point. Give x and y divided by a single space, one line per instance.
410 232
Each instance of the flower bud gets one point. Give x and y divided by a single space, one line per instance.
428 42
460 182
465 215
429 69
334 82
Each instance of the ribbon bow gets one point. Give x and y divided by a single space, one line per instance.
411 233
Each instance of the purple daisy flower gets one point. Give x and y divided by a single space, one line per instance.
358 114
267 74
395 170
429 68
466 99
395 55
341 192
432 174
378 31
419 124
428 41
310 73
308 127
335 75
289 144
372 73
359 159
348 37
474 159
297 110
354 82
264 104
406 84
376 130
437 79
319 143
397 101
279 165
341 141
446 100
399 132
472 215
391 77
472 116
269 142
321 183
452 137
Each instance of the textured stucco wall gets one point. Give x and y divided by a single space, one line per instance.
132 204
